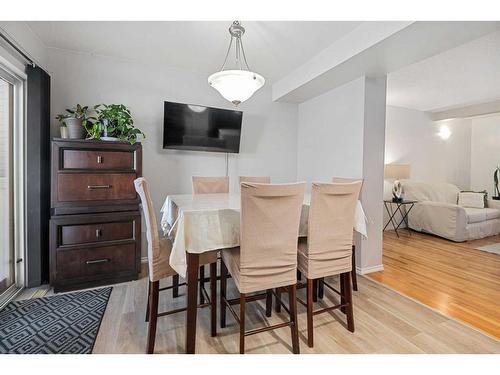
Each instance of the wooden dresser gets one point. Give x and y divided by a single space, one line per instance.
95 226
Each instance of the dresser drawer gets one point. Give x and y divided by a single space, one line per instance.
96 261
73 187
97 160
99 232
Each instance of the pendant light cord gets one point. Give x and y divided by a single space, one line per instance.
227 164
239 46
227 53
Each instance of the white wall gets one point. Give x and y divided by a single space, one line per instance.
485 151
330 134
411 138
269 134
467 159
24 37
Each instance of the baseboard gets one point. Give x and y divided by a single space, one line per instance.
366 270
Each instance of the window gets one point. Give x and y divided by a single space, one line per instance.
7 254
12 233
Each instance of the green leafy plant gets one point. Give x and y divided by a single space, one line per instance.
79 112
117 121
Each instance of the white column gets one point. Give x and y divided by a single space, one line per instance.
369 251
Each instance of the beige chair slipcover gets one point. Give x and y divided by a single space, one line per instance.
257 179
346 180
159 249
267 255
328 247
343 180
210 185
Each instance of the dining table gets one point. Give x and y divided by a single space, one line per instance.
199 223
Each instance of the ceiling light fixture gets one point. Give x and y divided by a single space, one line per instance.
236 85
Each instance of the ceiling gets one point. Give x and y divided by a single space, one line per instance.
273 49
465 75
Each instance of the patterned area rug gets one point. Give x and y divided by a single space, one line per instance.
60 324
495 248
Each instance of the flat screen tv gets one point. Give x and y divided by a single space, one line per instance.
199 128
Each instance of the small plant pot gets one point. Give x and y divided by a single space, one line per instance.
64 132
75 128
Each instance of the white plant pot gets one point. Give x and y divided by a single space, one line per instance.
64 132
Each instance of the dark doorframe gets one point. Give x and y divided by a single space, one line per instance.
37 176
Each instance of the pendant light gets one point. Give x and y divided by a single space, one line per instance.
236 85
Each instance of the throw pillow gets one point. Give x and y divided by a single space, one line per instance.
471 199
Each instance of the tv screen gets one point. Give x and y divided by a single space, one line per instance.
194 127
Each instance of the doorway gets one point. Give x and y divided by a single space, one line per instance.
7 250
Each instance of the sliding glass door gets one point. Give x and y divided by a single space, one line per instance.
7 250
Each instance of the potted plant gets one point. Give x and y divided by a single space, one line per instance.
76 121
62 128
114 122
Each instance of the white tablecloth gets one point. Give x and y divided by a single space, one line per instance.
206 222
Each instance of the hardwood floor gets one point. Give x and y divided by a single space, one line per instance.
453 278
385 322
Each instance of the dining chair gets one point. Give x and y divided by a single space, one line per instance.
327 250
267 255
261 180
205 185
354 276
257 179
210 185
159 250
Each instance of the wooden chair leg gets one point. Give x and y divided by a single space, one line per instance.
148 302
353 272
342 293
175 283
292 304
310 328
348 297
242 323
321 288
223 288
269 302
153 315
213 298
315 290
277 308
202 284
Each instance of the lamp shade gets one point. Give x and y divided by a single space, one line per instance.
397 171
236 85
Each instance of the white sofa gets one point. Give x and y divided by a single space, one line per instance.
438 213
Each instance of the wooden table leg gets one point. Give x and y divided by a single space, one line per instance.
193 263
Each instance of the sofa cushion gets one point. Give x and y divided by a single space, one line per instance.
471 199
492 213
478 215
434 192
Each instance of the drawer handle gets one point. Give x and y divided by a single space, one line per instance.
98 261
99 159
98 233
93 187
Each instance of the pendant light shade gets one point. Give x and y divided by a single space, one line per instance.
236 85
